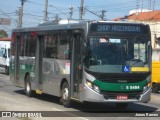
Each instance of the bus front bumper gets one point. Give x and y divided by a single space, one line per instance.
93 96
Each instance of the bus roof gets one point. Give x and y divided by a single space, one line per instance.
68 24
84 21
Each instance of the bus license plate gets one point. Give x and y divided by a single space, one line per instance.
122 97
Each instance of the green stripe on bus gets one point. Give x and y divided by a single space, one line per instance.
120 87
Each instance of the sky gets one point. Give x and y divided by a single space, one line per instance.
33 12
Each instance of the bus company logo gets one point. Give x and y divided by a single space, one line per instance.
6 114
122 81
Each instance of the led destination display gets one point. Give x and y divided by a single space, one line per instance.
117 28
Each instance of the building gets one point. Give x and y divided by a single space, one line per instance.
152 18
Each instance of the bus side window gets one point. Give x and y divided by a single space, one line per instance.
50 46
66 52
1 53
32 45
5 53
64 49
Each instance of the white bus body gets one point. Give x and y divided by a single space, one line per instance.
4 56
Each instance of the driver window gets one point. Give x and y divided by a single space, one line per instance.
139 51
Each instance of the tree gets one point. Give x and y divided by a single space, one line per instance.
3 34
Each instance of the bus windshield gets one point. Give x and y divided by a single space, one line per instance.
111 54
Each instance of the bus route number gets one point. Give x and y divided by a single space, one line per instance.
135 87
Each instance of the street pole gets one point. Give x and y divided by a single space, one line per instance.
19 22
71 11
46 11
21 14
81 10
103 15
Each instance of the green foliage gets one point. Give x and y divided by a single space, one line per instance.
3 34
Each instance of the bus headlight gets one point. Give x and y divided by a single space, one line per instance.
92 86
89 84
146 87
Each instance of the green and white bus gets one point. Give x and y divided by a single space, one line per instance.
94 61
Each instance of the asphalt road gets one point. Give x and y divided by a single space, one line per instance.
13 99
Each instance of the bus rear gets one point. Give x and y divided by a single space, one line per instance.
118 63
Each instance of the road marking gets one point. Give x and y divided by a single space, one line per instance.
56 109
69 113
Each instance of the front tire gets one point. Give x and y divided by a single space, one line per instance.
65 95
7 70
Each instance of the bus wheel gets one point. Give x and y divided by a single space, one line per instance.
122 105
65 95
28 90
7 70
155 88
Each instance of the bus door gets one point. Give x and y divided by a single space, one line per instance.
38 62
76 70
17 60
